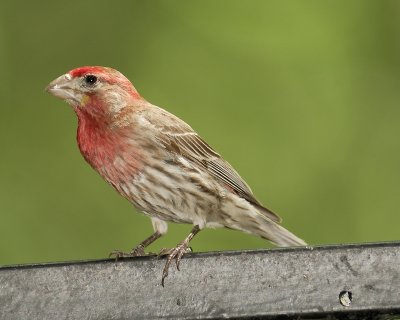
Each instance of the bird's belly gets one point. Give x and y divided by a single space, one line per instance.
173 193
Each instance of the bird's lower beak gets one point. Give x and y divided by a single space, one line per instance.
62 88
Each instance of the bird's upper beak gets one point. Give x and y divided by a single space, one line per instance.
62 88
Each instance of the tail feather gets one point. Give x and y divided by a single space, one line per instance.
241 215
260 225
281 236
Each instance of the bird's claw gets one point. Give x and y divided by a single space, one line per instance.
136 252
174 253
168 251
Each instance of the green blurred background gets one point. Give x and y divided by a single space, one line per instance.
301 97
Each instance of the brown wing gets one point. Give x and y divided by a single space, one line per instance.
179 137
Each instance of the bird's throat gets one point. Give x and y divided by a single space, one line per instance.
108 150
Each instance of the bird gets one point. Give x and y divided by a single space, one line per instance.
160 164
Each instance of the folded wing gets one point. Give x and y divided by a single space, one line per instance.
178 137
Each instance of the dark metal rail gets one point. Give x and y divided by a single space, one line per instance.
348 281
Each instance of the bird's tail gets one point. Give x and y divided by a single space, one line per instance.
271 230
279 235
258 224
241 215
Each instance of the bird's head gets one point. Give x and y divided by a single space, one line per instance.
94 90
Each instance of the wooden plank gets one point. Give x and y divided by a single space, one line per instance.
278 283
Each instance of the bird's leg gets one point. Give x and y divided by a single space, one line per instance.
177 252
138 250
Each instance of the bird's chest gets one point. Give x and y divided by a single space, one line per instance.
114 155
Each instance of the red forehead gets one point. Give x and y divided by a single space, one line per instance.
78 72
109 75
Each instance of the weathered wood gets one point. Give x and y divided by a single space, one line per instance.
279 283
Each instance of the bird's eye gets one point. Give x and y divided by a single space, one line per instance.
90 79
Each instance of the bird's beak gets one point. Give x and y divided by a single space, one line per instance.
62 88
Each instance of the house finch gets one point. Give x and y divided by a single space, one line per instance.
159 163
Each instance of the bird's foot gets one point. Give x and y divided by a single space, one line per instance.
136 252
174 253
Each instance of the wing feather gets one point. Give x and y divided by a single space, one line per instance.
178 137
